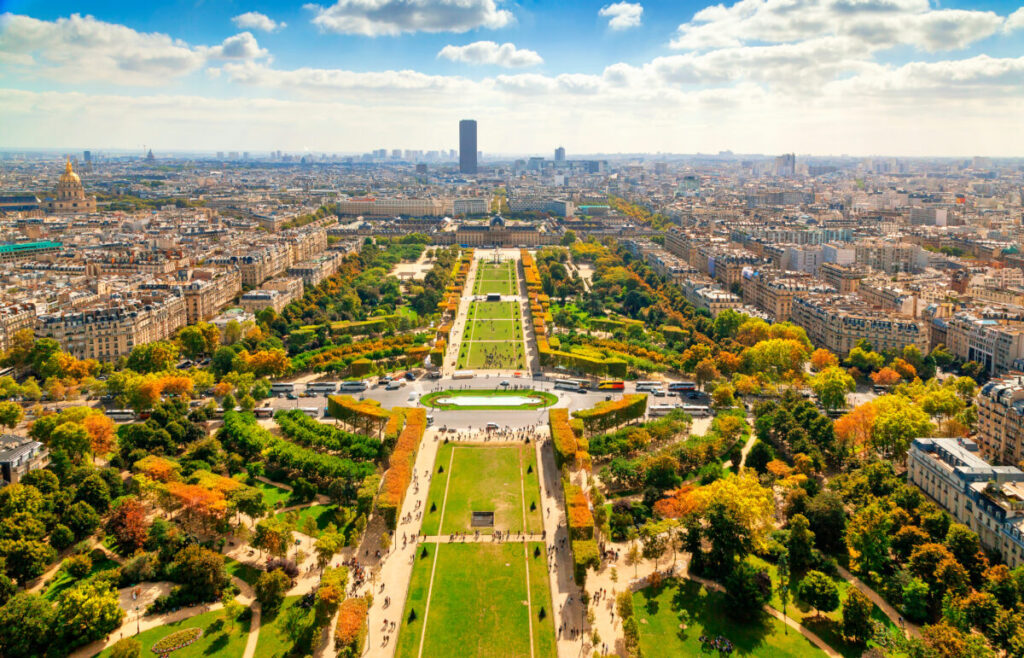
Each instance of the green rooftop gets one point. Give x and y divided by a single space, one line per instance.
29 246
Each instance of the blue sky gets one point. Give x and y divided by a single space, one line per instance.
814 76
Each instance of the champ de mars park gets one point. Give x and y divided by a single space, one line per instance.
512 453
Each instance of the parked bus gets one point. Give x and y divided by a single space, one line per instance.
660 409
322 387
696 411
681 387
611 385
569 385
263 412
282 387
463 374
353 386
647 386
121 415
312 412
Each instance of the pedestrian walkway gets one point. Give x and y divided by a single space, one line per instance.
910 629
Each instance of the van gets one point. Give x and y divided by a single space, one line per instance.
394 385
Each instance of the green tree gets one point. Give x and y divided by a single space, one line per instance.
800 543
827 516
201 571
818 591
71 438
273 536
747 589
271 587
654 542
916 596
858 626
127 647
27 559
728 537
868 538
898 422
865 360
200 339
88 612
10 414
26 626
831 386
156 356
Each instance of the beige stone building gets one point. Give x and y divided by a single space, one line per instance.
71 196
376 207
210 291
837 322
997 344
844 278
275 294
14 318
1001 419
772 292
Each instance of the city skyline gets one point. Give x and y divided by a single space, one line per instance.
901 77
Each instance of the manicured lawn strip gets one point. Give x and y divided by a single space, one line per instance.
271 644
477 604
489 286
544 643
435 497
214 642
827 626
63 581
661 635
242 570
547 398
497 330
485 478
271 494
531 485
322 514
493 310
410 632
506 356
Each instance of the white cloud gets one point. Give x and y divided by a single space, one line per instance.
1014 21
391 17
254 20
83 49
622 15
879 24
489 52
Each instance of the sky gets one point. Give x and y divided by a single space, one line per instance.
821 77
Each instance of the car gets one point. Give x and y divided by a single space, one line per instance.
410 376
659 392
412 397
492 426
505 383
394 386
291 396
606 398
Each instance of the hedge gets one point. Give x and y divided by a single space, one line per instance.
305 431
399 474
366 415
584 556
612 413
562 437
578 515
351 630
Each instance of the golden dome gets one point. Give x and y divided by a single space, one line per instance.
69 176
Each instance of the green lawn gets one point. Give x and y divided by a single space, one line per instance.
271 644
544 399
271 494
478 603
484 478
492 356
826 626
410 626
322 514
493 310
242 570
214 642
657 611
496 330
63 581
495 278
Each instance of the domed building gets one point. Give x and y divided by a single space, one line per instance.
498 232
71 197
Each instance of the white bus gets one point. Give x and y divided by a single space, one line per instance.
660 409
463 374
322 387
282 387
353 386
121 415
312 412
696 411
647 386
263 412
680 387
569 385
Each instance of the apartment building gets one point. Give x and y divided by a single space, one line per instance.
995 343
843 278
1001 419
726 266
705 293
18 456
772 291
275 294
376 207
837 322
314 271
307 243
470 207
987 499
878 292
891 257
14 318
210 291
263 264
110 332
18 251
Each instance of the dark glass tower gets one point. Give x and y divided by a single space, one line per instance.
467 146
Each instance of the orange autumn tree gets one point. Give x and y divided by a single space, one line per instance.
677 503
201 508
822 358
158 468
905 369
350 632
886 377
853 430
101 433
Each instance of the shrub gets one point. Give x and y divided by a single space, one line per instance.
351 630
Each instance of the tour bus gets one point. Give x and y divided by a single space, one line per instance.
569 385
322 387
660 409
263 412
681 387
282 387
312 412
121 415
357 385
611 385
696 411
647 386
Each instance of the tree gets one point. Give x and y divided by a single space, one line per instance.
327 546
26 625
271 587
156 356
728 537
273 536
654 542
71 438
831 386
868 538
101 433
201 571
82 519
568 238
200 339
760 454
776 357
858 626
864 360
827 516
886 377
128 524
747 589
10 414
801 541
88 612
898 422
822 359
723 397
127 647
228 403
818 591
248 501
728 322
94 490
705 371
916 596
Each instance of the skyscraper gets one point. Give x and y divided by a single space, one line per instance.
467 146
560 154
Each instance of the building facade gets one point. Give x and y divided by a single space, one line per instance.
70 198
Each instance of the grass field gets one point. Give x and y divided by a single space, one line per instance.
321 514
478 603
500 330
493 337
214 642
242 570
543 399
495 278
63 580
484 478
492 356
271 495
657 611
271 643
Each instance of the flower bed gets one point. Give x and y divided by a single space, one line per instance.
177 640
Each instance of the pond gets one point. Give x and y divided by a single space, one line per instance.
487 400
